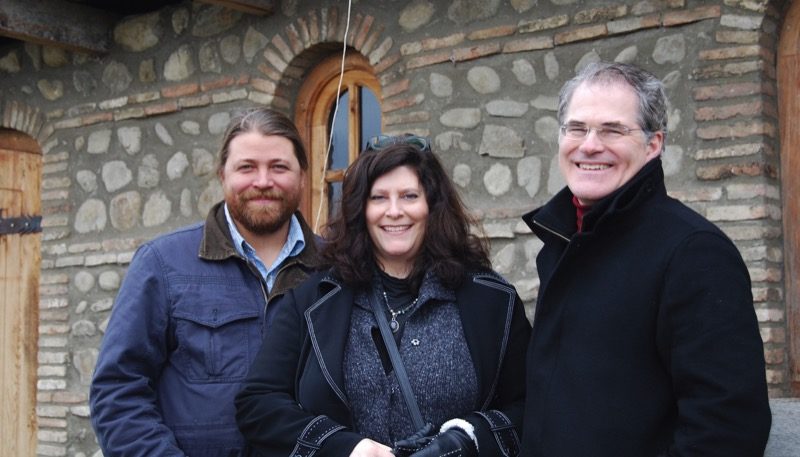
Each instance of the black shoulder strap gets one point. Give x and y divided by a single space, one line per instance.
397 362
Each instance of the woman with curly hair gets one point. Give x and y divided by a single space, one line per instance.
400 251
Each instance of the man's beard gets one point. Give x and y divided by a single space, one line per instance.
263 220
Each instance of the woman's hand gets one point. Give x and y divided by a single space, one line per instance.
369 448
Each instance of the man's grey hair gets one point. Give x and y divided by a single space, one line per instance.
652 115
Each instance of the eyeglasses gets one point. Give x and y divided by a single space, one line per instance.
380 142
606 133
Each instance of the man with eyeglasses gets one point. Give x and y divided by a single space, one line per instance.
645 341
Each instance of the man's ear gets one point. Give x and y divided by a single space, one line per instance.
655 145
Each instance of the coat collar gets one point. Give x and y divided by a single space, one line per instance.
217 242
557 218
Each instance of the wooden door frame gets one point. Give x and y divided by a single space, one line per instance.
20 346
789 108
315 100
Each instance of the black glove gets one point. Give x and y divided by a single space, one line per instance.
415 442
453 442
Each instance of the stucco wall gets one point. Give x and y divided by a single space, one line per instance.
130 138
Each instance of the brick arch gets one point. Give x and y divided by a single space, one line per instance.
22 117
294 51
789 110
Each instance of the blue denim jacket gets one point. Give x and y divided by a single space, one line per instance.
185 327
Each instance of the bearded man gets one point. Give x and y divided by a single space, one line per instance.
192 310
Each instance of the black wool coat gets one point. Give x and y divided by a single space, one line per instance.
645 340
294 393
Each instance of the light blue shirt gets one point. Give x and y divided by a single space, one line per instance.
295 242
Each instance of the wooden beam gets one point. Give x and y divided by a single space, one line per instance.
58 23
257 7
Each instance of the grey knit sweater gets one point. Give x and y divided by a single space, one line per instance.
436 357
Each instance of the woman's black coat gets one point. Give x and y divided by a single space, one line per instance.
293 400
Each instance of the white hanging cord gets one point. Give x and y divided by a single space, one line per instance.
333 121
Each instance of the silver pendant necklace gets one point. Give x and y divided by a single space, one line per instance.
393 324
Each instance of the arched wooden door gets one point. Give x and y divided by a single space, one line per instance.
789 103
20 241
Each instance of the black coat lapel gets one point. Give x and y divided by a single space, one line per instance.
486 328
328 323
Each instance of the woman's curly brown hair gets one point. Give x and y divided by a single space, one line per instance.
449 248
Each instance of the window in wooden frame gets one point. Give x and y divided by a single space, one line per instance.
357 119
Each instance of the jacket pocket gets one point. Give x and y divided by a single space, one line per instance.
216 342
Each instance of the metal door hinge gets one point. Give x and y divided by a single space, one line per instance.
20 225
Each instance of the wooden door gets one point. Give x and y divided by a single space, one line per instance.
789 103
20 175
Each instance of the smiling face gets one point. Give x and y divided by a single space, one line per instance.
397 213
262 181
593 168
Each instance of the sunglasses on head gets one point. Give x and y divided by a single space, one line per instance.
380 142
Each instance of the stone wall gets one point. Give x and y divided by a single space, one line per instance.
130 138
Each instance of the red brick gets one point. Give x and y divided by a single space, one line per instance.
225 81
294 39
430 59
717 91
363 32
333 24
528 44
633 24
283 48
313 27
736 150
264 85
725 171
728 70
243 79
474 52
431 44
600 14
730 53
581 34
373 38
737 130
70 397
685 17
162 108
130 113
144 97
193 102
395 88
355 24
493 32
774 356
68 123
386 62
737 36
405 102
537 25
180 90
269 71
712 113
275 60
90 119
304 35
